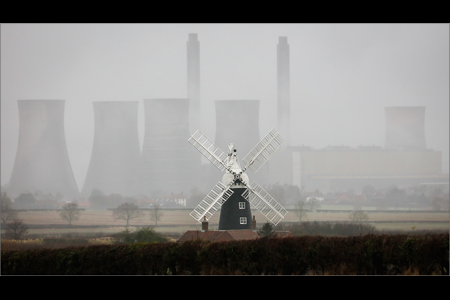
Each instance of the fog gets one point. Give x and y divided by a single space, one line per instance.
342 76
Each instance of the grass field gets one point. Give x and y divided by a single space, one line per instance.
178 221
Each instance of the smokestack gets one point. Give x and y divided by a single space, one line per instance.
116 150
253 223
167 161
204 224
405 128
237 122
283 85
193 77
42 162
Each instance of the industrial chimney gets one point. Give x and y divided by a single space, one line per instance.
204 224
193 81
283 85
281 163
116 150
167 161
42 162
193 84
405 128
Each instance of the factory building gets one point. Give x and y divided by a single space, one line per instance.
404 161
347 168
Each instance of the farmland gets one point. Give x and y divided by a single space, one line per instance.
177 221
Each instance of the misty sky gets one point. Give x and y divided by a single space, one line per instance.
342 77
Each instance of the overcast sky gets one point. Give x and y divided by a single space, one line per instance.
342 77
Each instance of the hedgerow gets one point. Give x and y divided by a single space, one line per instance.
395 254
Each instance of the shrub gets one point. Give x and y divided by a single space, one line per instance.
64 242
142 235
329 228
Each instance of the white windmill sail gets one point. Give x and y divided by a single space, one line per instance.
262 151
255 194
262 201
212 202
213 153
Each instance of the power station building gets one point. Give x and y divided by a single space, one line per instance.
42 162
341 169
116 149
404 160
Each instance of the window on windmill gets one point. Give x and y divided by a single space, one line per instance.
243 220
241 205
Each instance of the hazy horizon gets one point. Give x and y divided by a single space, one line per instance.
342 76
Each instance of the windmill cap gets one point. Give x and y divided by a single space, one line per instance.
228 177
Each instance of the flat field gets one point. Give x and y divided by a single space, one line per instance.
178 221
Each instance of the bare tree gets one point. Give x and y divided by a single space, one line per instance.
6 212
312 203
301 211
16 230
70 212
358 216
156 213
127 212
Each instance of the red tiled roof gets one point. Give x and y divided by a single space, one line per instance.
243 234
219 235
282 234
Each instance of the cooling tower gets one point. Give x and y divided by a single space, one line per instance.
193 81
405 128
237 122
168 163
283 82
116 150
42 162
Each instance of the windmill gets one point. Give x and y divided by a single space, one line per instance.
234 192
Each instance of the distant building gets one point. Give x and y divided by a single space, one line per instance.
338 168
403 161
173 200
282 234
227 235
169 201
219 235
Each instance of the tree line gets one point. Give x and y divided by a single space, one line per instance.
70 212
